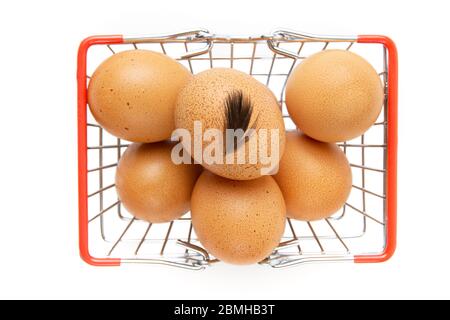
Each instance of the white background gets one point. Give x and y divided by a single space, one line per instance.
38 171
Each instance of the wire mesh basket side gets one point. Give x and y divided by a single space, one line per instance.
359 228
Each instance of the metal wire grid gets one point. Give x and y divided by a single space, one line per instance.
115 233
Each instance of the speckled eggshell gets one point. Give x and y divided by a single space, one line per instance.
203 99
151 186
239 222
334 95
132 94
315 177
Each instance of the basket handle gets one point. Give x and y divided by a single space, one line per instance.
191 35
293 35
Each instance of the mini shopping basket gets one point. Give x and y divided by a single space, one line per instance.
364 230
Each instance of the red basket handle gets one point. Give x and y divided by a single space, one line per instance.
82 149
392 114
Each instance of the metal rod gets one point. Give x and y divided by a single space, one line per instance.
287 244
104 210
235 39
189 237
189 60
208 48
111 49
286 261
193 266
356 145
271 68
300 238
100 180
363 181
104 167
337 235
190 35
210 59
340 216
385 135
237 58
288 34
349 46
231 55
143 239
108 147
315 236
101 190
121 236
162 48
365 214
364 190
252 59
294 234
344 149
272 75
166 239
194 248
366 168
330 237
119 155
291 34
289 72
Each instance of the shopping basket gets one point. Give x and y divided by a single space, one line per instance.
363 230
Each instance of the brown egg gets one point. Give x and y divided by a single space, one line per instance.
315 177
132 94
239 222
334 95
151 186
223 99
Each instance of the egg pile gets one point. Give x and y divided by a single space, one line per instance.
238 210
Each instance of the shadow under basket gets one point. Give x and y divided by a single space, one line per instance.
363 230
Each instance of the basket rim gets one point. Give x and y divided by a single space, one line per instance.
392 125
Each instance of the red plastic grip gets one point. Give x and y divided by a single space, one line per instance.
392 138
82 149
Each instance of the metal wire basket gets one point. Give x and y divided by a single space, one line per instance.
364 230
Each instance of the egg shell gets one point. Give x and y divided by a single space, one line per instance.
334 95
315 177
151 186
132 94
239 222
203 99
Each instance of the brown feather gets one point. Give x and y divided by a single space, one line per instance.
238 112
